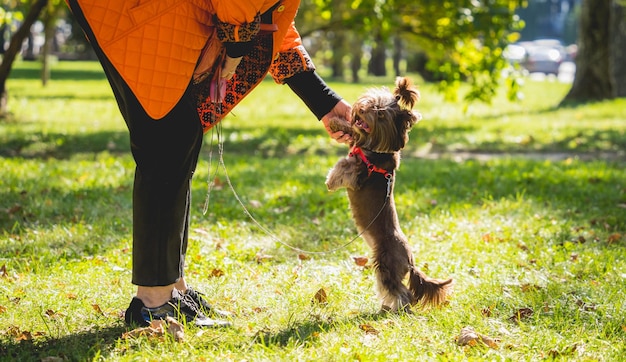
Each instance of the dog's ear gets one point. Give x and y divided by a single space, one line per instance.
406 94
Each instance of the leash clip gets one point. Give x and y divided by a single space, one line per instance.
389 178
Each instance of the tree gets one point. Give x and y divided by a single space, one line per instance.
15 46
601 58
463 39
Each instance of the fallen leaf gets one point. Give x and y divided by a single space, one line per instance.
24 336
521 313
3 271
157 329
614 238
554 353
368 329
530 287
302 256
320 297
51 314
175 329
13 331
360 260
15 208
97 309
216 273
71 296
2 309
260 257
469 337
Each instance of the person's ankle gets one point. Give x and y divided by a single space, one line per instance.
181 285
153 297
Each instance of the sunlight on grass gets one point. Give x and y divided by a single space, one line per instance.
523 204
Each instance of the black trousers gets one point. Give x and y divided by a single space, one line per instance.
166 154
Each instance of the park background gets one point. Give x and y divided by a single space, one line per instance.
513 184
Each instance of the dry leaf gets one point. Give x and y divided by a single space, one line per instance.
368 329
24 336
216 273
614 238
15 208
51 314
530 287
320 297
260 257
175 329
302 256
157 329
71 296
3 271
469 337
522 313
360 260
97 309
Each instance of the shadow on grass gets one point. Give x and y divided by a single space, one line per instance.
48 145
269 158
34 72
81 346
305 331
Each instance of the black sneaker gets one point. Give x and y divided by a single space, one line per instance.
180 307
205 307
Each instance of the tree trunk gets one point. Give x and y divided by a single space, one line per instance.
339 50
397 55
593 78
617 55
14 47
355 58
376 64
49 29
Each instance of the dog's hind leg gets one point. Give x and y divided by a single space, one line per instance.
391 267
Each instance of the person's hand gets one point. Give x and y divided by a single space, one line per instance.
342 110
229 67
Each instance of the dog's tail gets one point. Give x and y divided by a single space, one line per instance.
428 291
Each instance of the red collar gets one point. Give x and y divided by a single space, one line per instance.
357 151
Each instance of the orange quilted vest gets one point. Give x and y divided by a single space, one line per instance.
155 44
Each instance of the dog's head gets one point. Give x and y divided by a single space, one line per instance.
381 120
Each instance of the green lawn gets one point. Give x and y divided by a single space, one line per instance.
523 204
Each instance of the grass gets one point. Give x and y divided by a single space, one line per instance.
523 204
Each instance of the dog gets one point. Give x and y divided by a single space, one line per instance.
381 121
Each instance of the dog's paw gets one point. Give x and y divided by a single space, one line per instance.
332 181
339 124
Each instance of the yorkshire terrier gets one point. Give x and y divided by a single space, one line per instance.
380 127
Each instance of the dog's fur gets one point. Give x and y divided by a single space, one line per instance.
381 122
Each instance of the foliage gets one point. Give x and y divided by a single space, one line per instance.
464 40
522 203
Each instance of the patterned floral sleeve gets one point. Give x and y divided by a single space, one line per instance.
291 62
231 33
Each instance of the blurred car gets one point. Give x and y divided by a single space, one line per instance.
544 56
538 56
